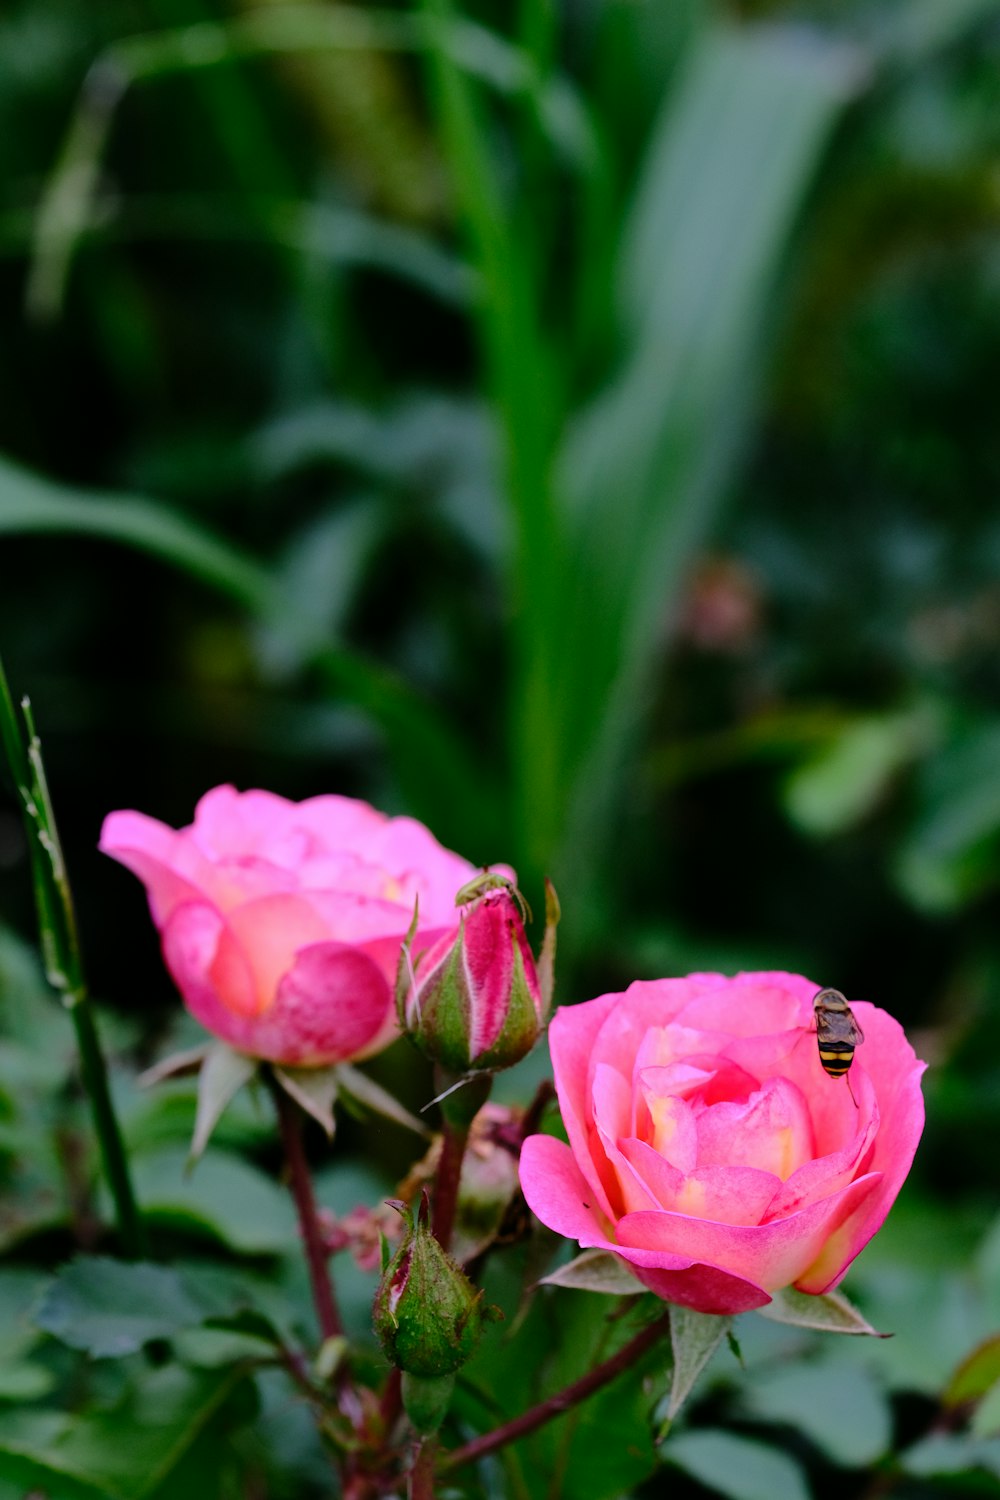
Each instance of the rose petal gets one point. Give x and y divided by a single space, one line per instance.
770 1255
334 1004
571 1037
825 1174
748 1004
558 1195
731 1195
771 1130
152 851
895 1146
210 970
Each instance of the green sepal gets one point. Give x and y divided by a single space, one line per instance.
546 966
426 1400
314 1090
223 1073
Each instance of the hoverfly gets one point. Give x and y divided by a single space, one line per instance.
837 1034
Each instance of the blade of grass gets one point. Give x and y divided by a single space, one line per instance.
522 378
67 204
61 949
646 468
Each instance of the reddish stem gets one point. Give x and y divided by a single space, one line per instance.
421 1482
555 1405
392 1402
317 1258
447 1179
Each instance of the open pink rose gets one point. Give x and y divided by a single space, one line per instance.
282 922
708 1148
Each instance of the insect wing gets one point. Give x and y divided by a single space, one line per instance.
838 1027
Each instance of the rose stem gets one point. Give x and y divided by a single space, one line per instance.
392 1401
449 1173
458 1109
555 1405
421 1480
317 1259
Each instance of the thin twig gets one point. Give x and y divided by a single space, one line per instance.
317 1258
561 1401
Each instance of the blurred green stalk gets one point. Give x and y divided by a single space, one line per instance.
61 952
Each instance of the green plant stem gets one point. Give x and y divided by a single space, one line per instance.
300 1182
561 1401
61 950
94 1072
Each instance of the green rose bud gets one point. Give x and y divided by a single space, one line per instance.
427 1314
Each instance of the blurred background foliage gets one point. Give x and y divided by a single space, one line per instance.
571 423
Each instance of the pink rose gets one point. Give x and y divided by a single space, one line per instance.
282 921
708 1148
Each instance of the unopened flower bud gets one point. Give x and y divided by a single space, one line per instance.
472 1001
427 1314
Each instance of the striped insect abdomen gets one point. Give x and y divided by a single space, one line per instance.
836 1060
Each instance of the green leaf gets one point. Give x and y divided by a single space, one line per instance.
838 1405
949 855
935 1314
647 466
314 1090
226 1197
986 1417
125 1453
841 785
25 1381
112 1308
595 1271
975 1375
950 1453
830 1312
695 1337
736 1466
223 1073
31 504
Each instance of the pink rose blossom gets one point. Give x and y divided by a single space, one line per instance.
282 922
707 1147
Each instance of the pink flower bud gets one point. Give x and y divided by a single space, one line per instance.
472 1001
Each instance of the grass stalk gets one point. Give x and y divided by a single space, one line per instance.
61 953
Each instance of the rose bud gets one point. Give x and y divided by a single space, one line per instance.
472 1001
427 1314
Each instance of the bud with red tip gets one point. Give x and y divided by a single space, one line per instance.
427 1314
472 1001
